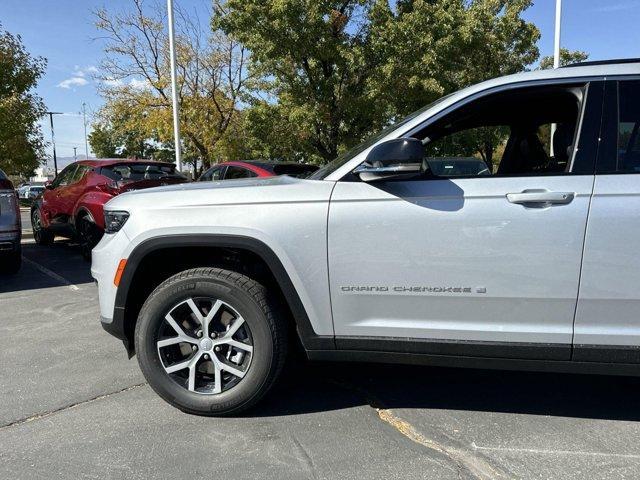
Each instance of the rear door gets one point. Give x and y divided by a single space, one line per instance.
607 326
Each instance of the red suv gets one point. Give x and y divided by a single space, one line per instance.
72 205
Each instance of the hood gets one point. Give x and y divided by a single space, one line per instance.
227 192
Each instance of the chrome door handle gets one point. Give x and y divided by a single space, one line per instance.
540 198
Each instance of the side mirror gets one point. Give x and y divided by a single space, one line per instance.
391 159
48 185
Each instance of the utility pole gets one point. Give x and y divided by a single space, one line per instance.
53 141
174 86
75 155
84 121
556 61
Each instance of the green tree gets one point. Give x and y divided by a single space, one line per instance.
337 70
567 57
21 141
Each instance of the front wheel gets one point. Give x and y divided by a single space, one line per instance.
209 341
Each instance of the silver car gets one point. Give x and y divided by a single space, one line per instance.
495 228
10 227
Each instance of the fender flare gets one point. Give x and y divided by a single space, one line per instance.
310 340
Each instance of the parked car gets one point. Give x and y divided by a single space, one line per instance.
10 227
72 205
256 168
34 192
379 257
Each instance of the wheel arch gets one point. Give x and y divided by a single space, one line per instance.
156 259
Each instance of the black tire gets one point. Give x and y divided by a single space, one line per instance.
41 235
89 234
11 262
252 301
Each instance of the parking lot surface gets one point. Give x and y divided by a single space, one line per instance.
73 406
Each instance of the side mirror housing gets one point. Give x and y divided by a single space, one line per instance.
391 159
48 185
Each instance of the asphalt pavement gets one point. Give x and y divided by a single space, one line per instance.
73 406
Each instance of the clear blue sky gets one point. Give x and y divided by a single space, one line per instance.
63 32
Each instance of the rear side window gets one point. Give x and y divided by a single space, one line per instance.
136 172
238 172
628 152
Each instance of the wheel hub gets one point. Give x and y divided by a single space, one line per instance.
206 344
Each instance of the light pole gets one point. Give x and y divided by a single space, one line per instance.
84 121
53 141
174 86
75 155
556 61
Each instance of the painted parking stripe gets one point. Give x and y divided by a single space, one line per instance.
51 274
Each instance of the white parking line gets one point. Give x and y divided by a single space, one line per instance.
555 452
51 274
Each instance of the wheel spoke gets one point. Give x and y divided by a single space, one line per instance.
192 377
175 326
178 366
196 312
207 320
217 388
234 327
239 345
228 368
173 340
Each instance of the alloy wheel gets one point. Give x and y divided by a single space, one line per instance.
205 345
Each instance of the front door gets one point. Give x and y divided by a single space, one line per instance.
479 255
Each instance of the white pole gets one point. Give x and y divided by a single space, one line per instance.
556 46
556 61
174 86
84 120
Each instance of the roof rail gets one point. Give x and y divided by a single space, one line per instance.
603 62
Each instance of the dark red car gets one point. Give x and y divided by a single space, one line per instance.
256 168
72 204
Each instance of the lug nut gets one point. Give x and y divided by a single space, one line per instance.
199 333
194 348
206 357
217 349
214 334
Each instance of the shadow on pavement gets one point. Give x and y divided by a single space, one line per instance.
62 258
322 387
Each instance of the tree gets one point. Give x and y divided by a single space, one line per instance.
337 70
136 79
567 57
21 141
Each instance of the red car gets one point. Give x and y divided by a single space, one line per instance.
256 168
72 204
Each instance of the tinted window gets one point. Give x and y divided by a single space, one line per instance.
238 172
79 173
65 176
212 174
140 171
628 151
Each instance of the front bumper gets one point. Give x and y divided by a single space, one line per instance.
105 258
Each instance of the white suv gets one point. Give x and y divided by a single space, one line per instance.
496 227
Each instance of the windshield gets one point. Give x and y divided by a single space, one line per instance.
345 157
140 171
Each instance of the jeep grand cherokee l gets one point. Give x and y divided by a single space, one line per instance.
527 260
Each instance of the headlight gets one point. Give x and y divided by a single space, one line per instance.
114 221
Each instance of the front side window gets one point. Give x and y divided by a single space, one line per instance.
528 132
65 176
212 174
